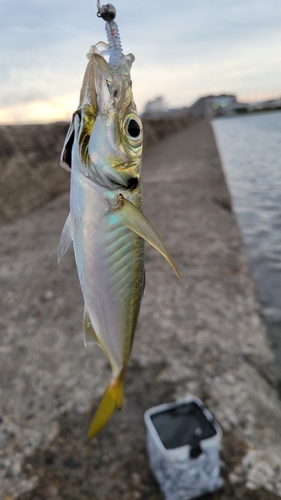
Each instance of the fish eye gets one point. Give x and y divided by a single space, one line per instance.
133 129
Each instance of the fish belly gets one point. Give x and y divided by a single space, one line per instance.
110 263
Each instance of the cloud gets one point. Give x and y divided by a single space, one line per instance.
181 48
33 95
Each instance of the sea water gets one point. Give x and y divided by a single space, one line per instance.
250 150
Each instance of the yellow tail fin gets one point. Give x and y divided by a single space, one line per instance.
112 398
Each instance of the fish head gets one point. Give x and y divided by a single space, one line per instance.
106 132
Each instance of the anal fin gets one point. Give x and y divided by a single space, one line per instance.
88 329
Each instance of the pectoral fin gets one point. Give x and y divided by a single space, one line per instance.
65 239
132 218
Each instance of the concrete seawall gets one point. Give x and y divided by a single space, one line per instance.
203 336
29 162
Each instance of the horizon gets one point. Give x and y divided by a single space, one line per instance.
44 120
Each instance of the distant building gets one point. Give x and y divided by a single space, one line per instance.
267 105
218 105
155 107
212 105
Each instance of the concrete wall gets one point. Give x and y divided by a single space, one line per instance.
29 162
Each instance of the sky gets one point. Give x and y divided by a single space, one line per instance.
184 49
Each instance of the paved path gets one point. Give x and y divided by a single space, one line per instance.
203 336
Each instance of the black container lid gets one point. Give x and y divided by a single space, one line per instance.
186 424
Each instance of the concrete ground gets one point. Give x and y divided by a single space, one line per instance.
202 336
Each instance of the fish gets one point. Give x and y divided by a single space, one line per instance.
103 153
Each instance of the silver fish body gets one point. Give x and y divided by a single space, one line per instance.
103 151
110 264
